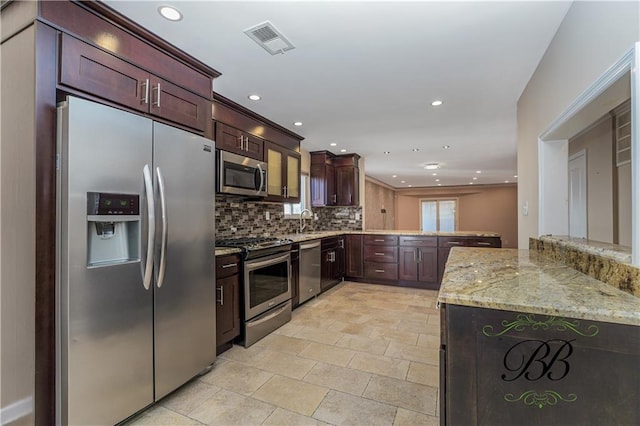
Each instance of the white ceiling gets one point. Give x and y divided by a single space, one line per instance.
363 75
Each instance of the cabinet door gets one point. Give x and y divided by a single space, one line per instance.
275 176
234 140
229 139
292 173
91 70
178 105
427 264
227 309
353 256
347 184
326 269
408 264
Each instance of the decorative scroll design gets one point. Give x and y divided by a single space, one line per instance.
528 320
542 399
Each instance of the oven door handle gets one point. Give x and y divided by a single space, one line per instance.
257 265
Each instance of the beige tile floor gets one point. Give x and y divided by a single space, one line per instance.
359 354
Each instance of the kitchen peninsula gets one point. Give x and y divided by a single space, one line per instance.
526 339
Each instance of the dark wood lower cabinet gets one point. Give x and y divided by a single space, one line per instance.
419 265
513 368
353 256
227 301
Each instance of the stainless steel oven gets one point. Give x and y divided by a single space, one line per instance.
267 295
266 285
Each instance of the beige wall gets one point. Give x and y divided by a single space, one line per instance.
598 144
17 225
591 38
483 208
377 197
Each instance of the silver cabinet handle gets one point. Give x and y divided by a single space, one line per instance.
241 142
151 212
419 255
379 241
157 102
221 301
229 265
261 178
145 87
335 198
308 246
414 255
379 270
165 228
480 243
454 243
341 243
379 254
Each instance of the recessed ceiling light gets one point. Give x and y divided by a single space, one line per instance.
475 178
434 174
401 181
410 186
333 144
437 180
478 171
432 166
446 146
436 103
515 176
297 123
170 13
506 181
439 184
255 97
387 152
394 176
415 149
470 183
343 150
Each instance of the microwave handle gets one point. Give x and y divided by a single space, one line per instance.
259 188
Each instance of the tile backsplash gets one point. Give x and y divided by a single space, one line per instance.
237 218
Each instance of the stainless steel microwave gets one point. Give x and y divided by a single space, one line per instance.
238 175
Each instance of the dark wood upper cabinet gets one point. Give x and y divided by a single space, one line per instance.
94 71
234 140
283 175
335 179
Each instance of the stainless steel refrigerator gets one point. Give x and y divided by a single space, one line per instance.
135 276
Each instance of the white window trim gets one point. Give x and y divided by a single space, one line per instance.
457 216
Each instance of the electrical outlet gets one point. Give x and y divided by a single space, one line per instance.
357 216
267 215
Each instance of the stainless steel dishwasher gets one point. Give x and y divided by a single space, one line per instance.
309 270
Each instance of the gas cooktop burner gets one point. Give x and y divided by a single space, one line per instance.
256 245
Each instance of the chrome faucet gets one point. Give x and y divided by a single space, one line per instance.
302 222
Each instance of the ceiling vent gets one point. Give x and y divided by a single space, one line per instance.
269 38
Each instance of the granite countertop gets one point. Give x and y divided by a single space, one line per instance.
612 251
523 281
223 251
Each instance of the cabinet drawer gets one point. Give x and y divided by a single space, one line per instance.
381 240
381 254
469 242
227 266
383 271
419 241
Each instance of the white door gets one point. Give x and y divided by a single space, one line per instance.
578 195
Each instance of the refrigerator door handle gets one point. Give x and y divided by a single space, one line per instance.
151 208
165 226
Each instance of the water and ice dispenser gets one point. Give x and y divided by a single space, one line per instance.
113 228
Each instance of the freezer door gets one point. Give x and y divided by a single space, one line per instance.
184 294
105 342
